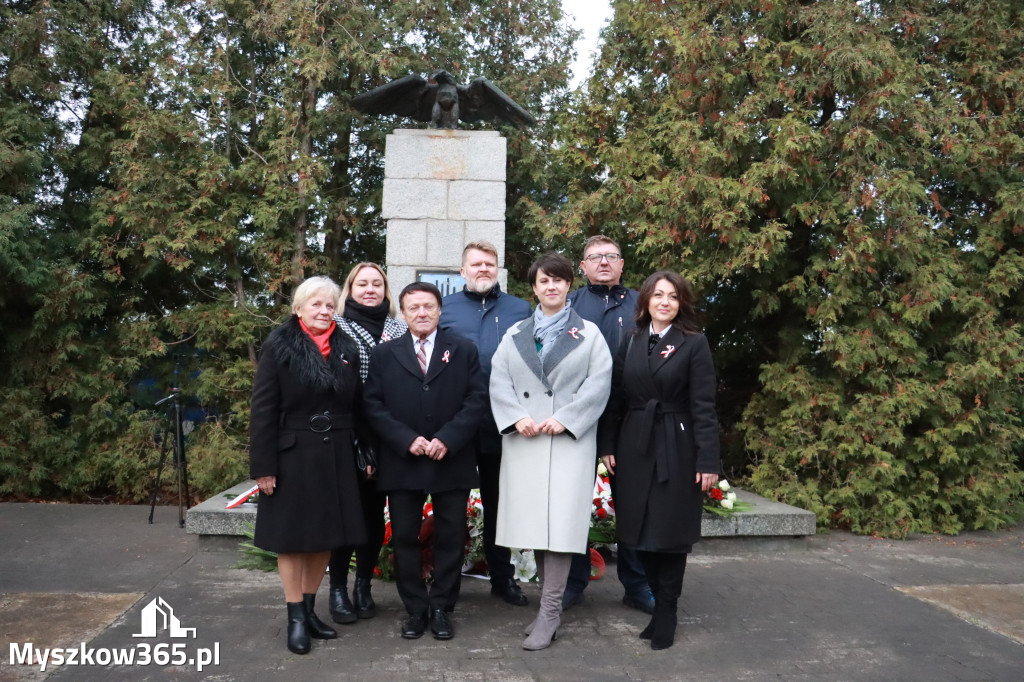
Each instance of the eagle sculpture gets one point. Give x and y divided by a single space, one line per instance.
442 101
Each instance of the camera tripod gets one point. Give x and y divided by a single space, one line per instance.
173 423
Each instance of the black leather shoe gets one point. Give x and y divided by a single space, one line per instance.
361 599
510 591
415 626
441 624
644 601
298 636
316 627
341 608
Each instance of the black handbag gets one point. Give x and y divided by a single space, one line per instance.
366 454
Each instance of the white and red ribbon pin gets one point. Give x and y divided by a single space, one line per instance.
446 357
669 350
574 333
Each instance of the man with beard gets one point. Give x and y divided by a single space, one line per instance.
482 313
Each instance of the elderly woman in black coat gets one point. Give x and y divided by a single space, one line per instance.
659 438
300 451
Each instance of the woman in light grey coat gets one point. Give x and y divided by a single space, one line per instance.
550 380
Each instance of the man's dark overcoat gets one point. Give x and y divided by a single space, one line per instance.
662 427
448 403
315 506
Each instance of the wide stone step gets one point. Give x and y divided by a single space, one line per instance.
210 518
768 524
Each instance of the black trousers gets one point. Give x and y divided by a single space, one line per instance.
366 555
448 548
499 558
665 575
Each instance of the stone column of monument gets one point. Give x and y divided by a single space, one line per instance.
442 190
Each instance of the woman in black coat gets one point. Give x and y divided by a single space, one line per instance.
659 438
369 318
300 451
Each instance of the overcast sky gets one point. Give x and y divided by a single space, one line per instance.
589 16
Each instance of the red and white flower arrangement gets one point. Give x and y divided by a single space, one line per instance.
602 517
602 534
721 500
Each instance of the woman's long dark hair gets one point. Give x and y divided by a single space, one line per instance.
685 320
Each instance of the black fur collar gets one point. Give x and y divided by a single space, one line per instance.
295 350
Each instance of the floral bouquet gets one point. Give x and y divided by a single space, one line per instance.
602 522
602 517
526 565
385 568
721 500
474 561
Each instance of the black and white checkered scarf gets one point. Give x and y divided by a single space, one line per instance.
393 328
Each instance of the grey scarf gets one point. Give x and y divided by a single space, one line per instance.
546 329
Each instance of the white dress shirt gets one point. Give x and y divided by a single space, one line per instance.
428 347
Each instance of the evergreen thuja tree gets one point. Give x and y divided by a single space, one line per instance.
842 182
65 364
242 170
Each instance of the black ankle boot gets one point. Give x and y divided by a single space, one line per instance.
364 606
298 636
648 631
316 627
664 631
341 608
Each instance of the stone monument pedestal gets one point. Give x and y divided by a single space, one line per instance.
442 190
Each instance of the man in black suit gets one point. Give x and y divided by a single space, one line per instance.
425 396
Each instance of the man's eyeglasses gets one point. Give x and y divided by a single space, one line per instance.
595 258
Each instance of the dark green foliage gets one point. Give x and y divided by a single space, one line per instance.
841 181
168 172
843 184
63 367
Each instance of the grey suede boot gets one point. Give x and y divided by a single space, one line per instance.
556 573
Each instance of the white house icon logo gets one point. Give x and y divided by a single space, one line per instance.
159 609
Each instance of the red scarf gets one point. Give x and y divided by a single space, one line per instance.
322 341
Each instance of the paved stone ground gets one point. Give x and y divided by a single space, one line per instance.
842 608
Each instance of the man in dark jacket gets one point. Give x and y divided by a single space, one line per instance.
482 313
604 301
612 307
425 396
